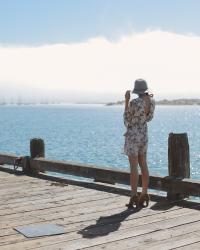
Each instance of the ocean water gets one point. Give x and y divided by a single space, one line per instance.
93 134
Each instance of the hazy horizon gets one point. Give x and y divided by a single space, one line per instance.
16 94
93 52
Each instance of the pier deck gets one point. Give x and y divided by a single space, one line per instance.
92 219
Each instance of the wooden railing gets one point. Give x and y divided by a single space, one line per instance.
176 186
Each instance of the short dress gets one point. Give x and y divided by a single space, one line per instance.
135 120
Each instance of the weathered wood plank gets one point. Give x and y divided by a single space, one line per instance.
52 200
193 246
116 176
74 241
111 211
51 208
7 159
93 219
80 207
24 191
175 242
132 230
97 210
145 241
110 175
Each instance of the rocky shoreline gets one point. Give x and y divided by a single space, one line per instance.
165 102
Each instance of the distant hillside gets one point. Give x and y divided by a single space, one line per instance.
166 102
179 102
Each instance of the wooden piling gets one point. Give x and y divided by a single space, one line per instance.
26 165
37 148
178 161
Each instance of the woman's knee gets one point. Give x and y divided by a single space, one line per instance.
133 160
142 160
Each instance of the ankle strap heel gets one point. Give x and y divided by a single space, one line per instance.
134 202
144 200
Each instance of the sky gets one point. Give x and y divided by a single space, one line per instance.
93 50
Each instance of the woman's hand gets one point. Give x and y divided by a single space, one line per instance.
127 95
127 98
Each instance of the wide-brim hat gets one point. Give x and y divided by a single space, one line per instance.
140 86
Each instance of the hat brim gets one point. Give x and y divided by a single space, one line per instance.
135 91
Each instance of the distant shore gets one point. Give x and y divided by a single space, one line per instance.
182 101
50 104
165 102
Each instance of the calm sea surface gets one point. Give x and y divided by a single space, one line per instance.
94 133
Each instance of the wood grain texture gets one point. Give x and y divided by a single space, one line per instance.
92 219
170 184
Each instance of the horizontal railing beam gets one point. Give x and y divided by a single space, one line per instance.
8 159
110 175
107 175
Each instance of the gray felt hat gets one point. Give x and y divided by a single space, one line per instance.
140 86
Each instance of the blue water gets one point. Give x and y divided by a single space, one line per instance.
94 134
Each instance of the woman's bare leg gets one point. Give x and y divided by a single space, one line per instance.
144 171
133 160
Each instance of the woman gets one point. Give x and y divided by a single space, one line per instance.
137 113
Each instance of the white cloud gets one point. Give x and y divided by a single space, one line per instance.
168 61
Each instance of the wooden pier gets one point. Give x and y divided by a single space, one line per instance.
92 211
92 218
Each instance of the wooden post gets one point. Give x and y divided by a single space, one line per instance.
178 161
26 165
37 148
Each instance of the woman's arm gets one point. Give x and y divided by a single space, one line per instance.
127 113
127 99
150 114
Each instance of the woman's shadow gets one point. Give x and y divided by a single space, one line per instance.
107 224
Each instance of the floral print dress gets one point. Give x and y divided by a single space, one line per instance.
135 120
